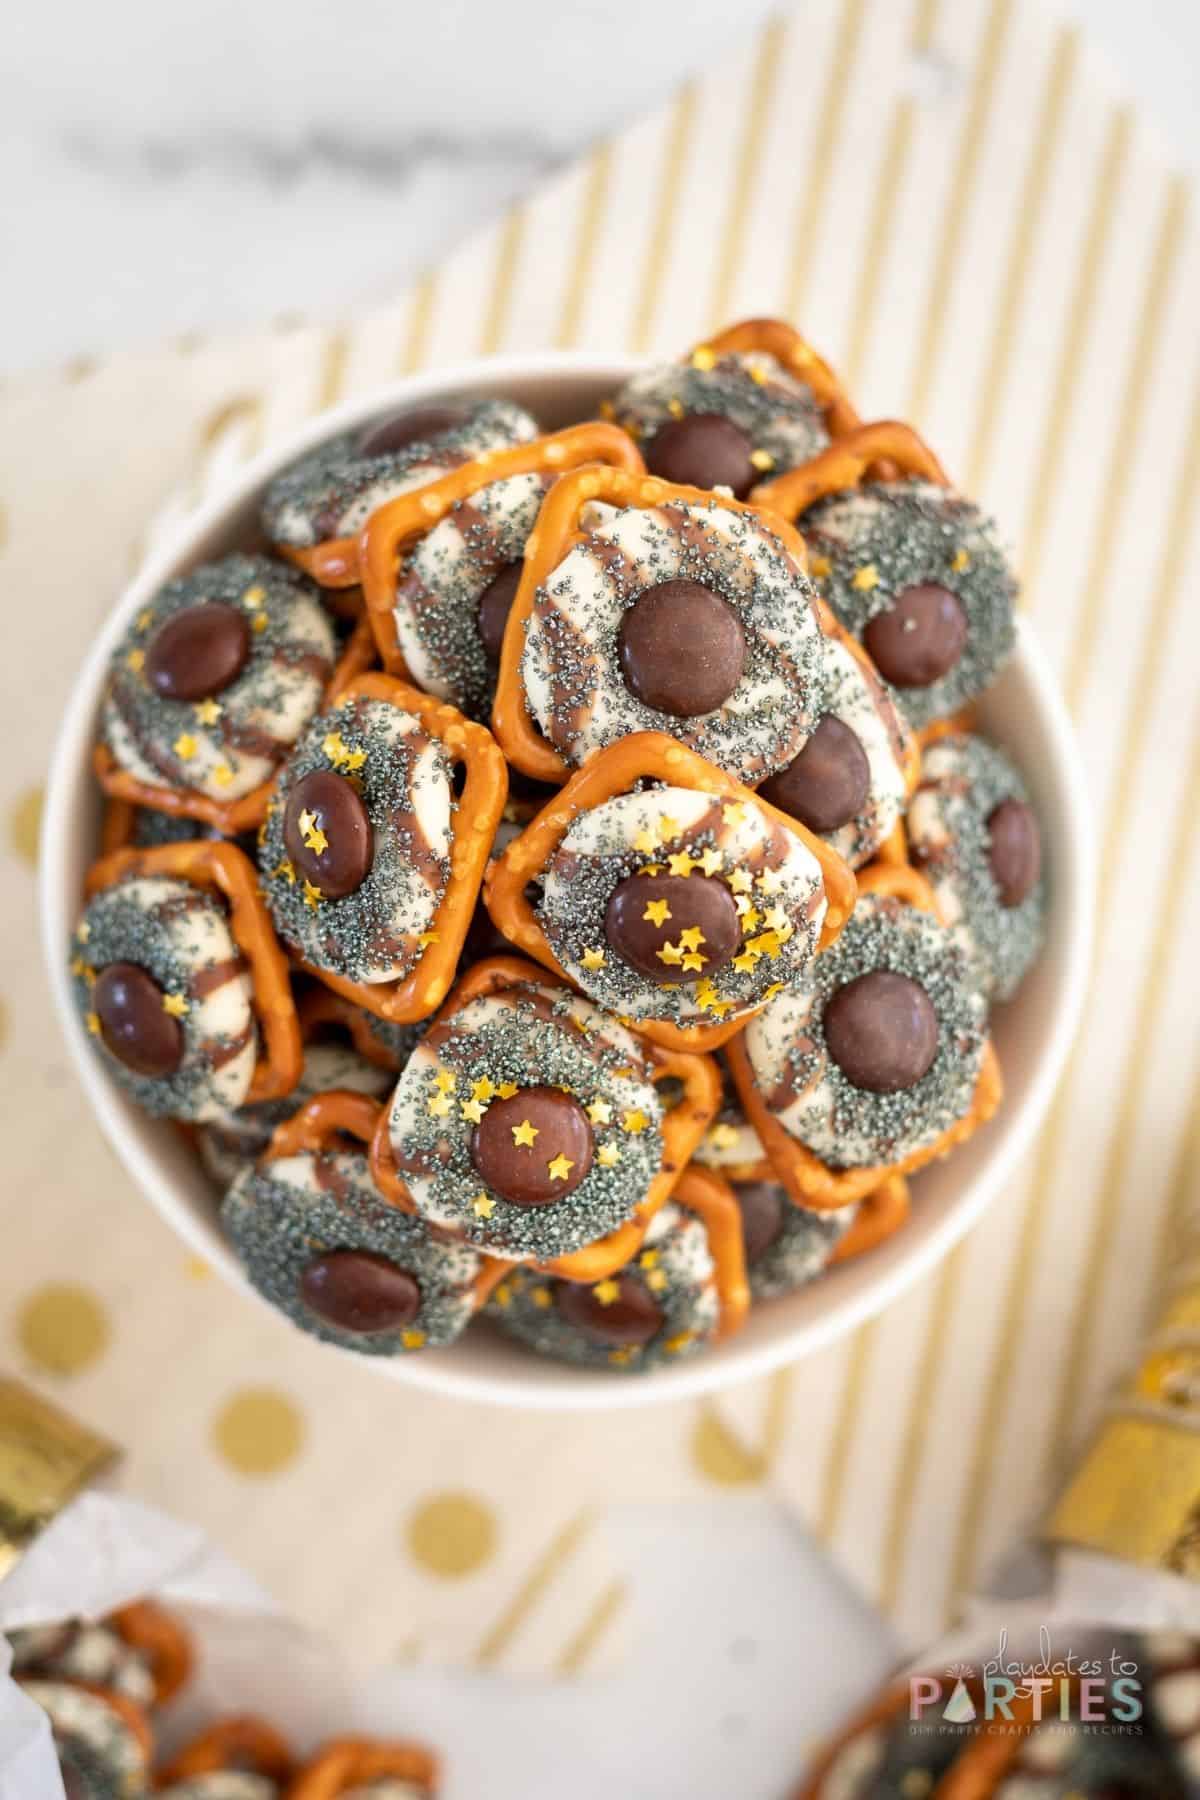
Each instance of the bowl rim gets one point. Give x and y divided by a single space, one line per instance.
566 1388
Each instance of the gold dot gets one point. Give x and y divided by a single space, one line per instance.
198 1268
258 1431
718 1454
452 1534
63 1328
25 823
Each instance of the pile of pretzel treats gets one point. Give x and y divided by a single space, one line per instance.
558 879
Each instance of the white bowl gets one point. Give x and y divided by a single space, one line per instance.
1023 711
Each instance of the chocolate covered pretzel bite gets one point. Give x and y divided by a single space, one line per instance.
139 1652
367 1769
103 1739
975 837
236 1758
209 688
756 399
650 607
180 982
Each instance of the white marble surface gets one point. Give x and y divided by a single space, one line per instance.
169 170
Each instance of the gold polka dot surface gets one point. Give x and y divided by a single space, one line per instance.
259 1431
24 824
63 1328
452 1534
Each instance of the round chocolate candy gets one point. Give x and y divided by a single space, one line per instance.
533 1148
495 604
627 1316
416 426
198 651
327 834
133 1023
704 450
827 784
762 1207
673 928
1014 850
919 638
882 1031
357 1291
682 648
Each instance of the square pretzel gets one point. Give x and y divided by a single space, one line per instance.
209 863
125 791
775 337
480 806
711 1198
611 772
683 1126
350 1763
398 523
811 1182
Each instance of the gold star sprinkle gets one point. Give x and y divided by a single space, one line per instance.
704 357
412 1340
175 1005
483 1089
645 841
961 562
757 374
208 711
865 579
438 1105
287 870
445 1081
608 1156
222 774
692 938
619 1358
635 1121
524 1133
592 959
776 987
656 1281
711 860
600 1112
507 1089
762 460
681 863
425 938
253 598
777 919
694 961
184 746
560 1168
503 1295
311 832
819 567
136 661
145 619
770 881
657 912
675 408
340 754
746 960
723 1136
681 1340
92 1022
83 971
312 896
650 869
667 828
542 1297
83 931
734 812
259 623
648 1259
483 1206
740 881
670 953
472 1110
606 1292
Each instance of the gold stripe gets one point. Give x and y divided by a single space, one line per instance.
662 231
933 329
834 1479
1029 213
591 226
888 184
1181 1188
916 1431
1124 439
1075 336
829 121
420 318
333 372
1114 1181
543 1574
779 1401
579 1648
508 252
756 114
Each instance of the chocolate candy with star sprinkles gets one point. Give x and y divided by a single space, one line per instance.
357 1291
327 834
198 651
495 604
533 1148
703 450
688 917
622 1318
417 425
1014 850
133 1022
682 648
919 637
882 1031
761 1204
827 784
